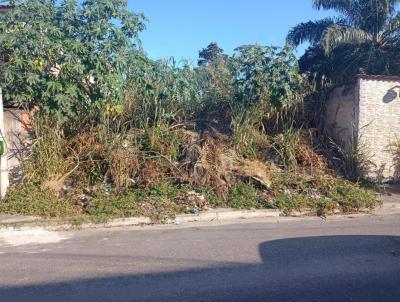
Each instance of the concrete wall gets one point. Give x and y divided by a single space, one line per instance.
18 140
379 121
370 112
341 113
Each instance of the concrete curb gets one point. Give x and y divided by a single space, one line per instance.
213 215
221 215
209 216
217 215
226 215
9 219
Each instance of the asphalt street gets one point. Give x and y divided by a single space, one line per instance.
338 259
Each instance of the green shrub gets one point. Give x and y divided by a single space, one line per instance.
156 203
108 206
351 197
166 189
321 195
288 203
31 200
244 196
286 145
214 200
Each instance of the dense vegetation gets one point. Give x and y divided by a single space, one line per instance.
363 39
118 134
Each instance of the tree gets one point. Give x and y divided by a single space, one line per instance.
211 54
67 56
365 37
269 76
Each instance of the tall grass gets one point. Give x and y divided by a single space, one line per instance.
353 157
286 146
47 161
394 149
249 136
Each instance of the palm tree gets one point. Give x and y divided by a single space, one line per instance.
364 37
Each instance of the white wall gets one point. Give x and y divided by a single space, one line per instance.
341 113
379 120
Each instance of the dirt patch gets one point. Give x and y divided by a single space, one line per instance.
307 156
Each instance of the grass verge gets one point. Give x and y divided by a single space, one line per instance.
289 193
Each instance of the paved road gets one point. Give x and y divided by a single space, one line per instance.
260 260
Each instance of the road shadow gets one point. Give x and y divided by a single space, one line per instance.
332 268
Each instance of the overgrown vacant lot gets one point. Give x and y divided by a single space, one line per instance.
117 134
181 171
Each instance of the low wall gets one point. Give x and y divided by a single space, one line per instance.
18 137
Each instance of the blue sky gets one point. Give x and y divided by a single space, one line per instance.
180 28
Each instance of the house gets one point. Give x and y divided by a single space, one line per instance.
367 113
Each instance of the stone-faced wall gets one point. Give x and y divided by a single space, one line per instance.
379 120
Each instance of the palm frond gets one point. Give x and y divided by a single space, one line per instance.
310 31
373 16
347 5
369 15
366 41
337 35
392 27
342 6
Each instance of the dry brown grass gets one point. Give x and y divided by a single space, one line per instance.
212 164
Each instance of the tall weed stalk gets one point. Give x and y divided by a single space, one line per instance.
354 159
286 146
